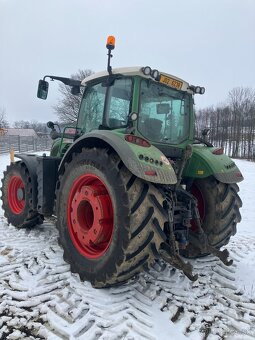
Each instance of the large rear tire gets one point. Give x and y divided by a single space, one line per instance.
110 222
17 196
218 205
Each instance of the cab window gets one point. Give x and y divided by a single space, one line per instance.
92 108
118 103
164 113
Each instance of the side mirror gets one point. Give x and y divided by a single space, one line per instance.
42 91
75 90
50 125
205 132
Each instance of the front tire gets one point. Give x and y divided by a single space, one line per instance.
17 197
96 186
218 205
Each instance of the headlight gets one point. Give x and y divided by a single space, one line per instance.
146 70
202 90
197 89
155 74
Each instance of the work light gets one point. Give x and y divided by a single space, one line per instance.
146 70
155 74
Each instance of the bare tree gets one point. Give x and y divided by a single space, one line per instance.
3 121
67 108
232 124
21 124
242 104
33 124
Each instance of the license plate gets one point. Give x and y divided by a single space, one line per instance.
171 82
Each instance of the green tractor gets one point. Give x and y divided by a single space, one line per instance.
130 183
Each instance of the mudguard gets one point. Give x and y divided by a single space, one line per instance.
204 163
31 164
148 163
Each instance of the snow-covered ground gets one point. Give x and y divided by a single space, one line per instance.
41 299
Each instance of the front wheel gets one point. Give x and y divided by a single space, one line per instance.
109 220
17 197
218 205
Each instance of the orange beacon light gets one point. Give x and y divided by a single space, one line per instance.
110 44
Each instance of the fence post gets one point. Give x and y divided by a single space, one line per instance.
19 142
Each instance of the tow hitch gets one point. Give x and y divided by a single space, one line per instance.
169 250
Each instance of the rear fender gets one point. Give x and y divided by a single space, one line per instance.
31 163
203 163
141 161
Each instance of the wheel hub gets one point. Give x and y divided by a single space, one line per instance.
90 217
20 194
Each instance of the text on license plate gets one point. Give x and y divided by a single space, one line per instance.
170 82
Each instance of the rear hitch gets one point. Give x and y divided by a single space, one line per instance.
176 261
169 251
199 240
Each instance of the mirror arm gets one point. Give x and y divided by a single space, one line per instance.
66 81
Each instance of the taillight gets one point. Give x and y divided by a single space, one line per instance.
137 140
150 173
218 151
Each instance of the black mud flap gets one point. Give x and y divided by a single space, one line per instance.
43 171
47 177
30 161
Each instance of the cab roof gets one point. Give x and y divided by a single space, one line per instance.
133 71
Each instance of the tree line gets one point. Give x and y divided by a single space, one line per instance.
232 124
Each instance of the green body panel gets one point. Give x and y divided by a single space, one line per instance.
204 163
55 148
137 159
59 148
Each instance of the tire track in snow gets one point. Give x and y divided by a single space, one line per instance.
214 305
36 282
41 299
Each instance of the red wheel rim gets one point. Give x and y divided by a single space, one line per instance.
90 216
200 204
16 194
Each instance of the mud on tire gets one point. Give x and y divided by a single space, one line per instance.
17 197
219 205
138 219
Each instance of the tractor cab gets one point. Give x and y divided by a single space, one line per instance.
159 109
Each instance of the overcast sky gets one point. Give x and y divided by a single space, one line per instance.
208 43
